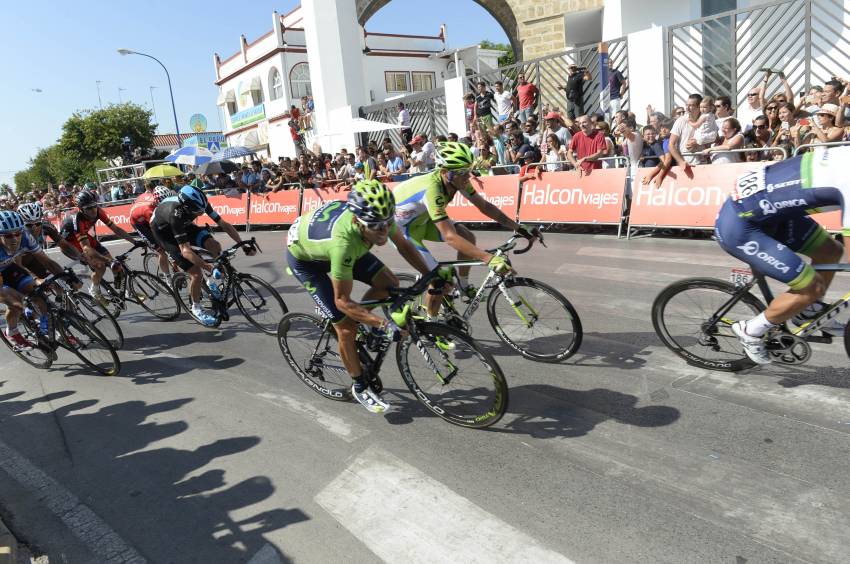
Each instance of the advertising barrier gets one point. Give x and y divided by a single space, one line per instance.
682 202
313 198
501 191
566 197
275 209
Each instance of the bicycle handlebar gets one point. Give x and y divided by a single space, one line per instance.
252 242
511 243
67 275
139 244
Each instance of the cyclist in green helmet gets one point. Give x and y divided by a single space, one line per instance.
421 213
329 248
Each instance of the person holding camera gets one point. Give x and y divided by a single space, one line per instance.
574 89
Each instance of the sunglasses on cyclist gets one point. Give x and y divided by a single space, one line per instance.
376 225
11 235
32 225
91 207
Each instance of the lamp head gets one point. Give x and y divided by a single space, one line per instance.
124 51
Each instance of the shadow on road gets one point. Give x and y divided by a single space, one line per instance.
542 411
172 504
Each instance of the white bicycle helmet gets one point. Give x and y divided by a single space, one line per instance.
31 213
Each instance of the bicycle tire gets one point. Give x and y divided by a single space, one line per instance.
115 302
99 316
299 336
153 288
474 397
89 339
662 318
180 285
251 300
38 356
150 262
564 331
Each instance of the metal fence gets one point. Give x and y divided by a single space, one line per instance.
427 115
809 40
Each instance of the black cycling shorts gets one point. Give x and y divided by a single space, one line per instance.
145 232
313 275
15 277
197 237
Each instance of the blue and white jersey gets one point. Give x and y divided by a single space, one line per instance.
28 245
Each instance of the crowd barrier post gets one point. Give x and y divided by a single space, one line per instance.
248 212
813 145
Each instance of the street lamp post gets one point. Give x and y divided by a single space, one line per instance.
120 90
170 91
99 101
153 105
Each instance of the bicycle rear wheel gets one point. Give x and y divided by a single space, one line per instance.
84 340
681 316
259 302
154 295
452 375
98 316
310 349
37 356
535 320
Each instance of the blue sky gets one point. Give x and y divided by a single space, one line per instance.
63 48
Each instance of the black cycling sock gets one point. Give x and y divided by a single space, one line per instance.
360 384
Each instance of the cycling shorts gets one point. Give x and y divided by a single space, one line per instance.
313 275
15 277
770 248
428 231
197 237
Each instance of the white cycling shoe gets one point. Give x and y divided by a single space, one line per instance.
753 346
370 400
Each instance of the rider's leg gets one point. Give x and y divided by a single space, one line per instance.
196 278
828 252
379 284
346 331
787 305
463 271
164 266
14 307
213 246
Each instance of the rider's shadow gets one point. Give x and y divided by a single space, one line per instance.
804 375
544 412
154 370
157 342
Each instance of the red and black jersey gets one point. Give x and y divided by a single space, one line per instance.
77 225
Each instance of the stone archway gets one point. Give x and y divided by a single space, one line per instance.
535 28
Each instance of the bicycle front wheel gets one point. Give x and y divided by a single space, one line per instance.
38 355
84 340
535 320
259 302
451 375
154 295
682 313
98 316
310 348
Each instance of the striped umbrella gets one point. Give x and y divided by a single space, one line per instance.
192 156
233 153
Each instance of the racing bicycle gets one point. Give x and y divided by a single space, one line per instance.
694 317
138 287
91 309
258 300
447 371
529 316
66 329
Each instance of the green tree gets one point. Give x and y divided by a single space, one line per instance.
504 60
92 135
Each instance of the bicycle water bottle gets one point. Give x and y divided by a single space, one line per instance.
43 324
214 283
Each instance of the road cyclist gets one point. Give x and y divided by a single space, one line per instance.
329 248
140 217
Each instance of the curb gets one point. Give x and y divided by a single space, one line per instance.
8 545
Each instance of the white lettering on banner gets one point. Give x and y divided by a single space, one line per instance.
542 196
120 219
672 195
227 210
272 207
499 201
310 204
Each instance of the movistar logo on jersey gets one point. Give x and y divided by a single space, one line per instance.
751 248
326 211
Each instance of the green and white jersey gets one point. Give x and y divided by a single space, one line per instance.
329 234
422 201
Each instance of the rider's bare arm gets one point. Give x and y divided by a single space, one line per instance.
492 211
47 263
352 309
458 243
408 251
120 232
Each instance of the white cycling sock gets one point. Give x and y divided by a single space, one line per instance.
94 289
758 326
11 331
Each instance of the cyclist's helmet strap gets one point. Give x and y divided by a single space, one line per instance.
452 155
371 200
85 198
193 198
10 221
30 212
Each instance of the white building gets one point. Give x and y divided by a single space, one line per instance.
259 83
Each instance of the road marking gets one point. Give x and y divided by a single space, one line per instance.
689 258
614 274
332 423
403 515
84 523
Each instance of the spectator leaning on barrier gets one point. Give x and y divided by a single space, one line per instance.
500 144
732 138
652 149
574 89
527 95
504 102
395 164
586 147
555 153
682 135
610 143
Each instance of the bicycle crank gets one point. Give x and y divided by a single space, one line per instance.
789 349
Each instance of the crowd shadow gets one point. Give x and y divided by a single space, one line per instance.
544 412
171 504
157 369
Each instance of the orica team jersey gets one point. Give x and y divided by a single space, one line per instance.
28 245
329 234
812 183
421 200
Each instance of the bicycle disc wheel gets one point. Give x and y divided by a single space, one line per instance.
37 356
452 375
98 316
259 302
84 340
681 314
154 295
535 320
180 285
313 355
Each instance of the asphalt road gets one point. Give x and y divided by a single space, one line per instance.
207 449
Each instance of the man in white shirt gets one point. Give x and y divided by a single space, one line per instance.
504 102
423 156
404 123
749 110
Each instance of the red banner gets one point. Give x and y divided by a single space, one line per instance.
693 202
315 197
278 208
120 215
566 197
498 190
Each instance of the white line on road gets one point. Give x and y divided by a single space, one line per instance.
84 523
655 255
332 423
403 515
